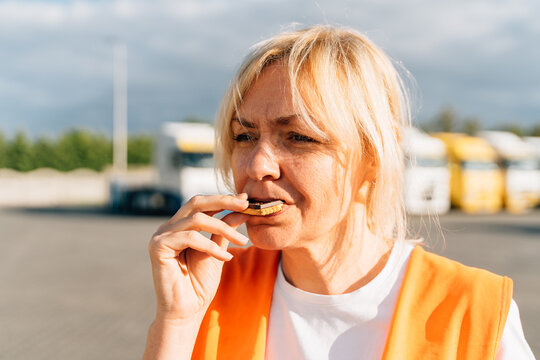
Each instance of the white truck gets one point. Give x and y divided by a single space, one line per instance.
520 165
534 141
184 162
427 179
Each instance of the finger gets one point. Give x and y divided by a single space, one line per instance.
234 220
213 203
180 241
239 196
206 203
202 222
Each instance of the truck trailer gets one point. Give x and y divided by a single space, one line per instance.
475 177
427 179
518 161
184 164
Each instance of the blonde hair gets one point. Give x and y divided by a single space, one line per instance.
346 89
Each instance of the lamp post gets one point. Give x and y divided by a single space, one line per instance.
120 108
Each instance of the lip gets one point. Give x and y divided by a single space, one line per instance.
266 199
283 210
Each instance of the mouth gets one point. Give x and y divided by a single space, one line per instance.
264 200
264 207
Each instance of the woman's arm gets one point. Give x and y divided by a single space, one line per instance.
186 268
172 339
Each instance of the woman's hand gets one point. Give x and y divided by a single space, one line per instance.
186 265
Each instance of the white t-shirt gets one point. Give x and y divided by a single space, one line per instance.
355 325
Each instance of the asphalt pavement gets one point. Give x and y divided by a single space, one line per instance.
77 284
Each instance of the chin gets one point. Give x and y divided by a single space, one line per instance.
269 237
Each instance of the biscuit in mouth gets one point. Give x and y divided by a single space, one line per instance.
263 208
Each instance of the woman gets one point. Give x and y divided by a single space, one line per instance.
313 119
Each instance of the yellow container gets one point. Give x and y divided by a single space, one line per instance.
476 181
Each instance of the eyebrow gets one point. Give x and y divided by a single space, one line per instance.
282 120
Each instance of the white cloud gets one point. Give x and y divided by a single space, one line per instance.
181 54
193 9
20 13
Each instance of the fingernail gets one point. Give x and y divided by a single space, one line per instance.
242 202
228 256
242 196
242 238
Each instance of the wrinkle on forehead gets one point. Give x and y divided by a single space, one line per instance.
270 98
273 83
279 121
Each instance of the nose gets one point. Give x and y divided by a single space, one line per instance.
263 163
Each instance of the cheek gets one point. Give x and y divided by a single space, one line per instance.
318 181
238 171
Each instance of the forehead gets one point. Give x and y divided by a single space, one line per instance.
273 122
269 97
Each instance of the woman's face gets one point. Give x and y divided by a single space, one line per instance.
276 156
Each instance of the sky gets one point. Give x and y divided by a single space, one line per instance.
56 57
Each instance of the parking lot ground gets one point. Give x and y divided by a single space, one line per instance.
77 284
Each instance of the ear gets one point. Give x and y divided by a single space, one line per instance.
369 176
370 170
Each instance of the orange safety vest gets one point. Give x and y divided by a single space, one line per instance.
444 310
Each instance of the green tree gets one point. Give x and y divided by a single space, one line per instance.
3 150
447 120
197 119
45 153
535 131
471 126
140 149
513 128
73 149
19 153
102 152
79 148
426 126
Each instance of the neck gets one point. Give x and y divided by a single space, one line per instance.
329 265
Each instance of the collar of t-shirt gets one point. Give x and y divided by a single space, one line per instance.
313 326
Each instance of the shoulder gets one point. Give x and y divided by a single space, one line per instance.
454 275
447 307
451 291
444 282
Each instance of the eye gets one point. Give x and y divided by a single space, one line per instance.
301 138
244 137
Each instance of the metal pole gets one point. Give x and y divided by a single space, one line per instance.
120 108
